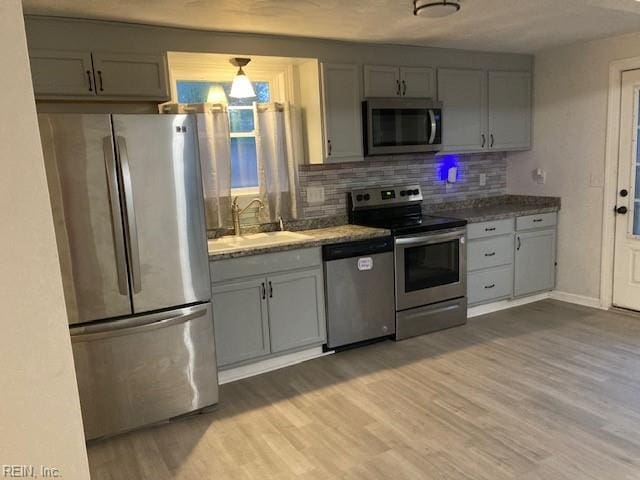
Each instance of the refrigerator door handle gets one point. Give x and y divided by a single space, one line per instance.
136 325
116 215
132 229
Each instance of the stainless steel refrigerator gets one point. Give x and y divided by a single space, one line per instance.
127 199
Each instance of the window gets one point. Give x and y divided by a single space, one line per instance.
244 162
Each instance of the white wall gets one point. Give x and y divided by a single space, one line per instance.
40 422
569 129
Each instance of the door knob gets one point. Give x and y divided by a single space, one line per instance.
622 210
624 192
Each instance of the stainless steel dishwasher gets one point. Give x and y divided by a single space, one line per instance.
359 278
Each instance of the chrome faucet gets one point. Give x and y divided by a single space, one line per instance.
236 212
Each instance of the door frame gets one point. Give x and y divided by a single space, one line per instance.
610 194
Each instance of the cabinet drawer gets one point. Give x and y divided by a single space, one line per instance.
485 285
263 264
541 220
489 229
490 252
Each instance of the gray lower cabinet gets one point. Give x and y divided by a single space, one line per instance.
267 305
511 257
296 309
241 320
535 261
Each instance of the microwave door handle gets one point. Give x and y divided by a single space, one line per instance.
434 126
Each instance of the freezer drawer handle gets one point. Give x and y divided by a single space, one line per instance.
135 325
132 229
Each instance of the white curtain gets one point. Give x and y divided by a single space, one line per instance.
215 157
279 149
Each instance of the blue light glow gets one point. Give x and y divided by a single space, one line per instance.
447 162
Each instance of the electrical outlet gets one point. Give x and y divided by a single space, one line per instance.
315 194
483 179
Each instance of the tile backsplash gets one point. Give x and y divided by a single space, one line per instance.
429 171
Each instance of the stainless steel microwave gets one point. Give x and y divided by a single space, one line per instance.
399 125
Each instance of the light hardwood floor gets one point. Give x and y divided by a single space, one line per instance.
545 391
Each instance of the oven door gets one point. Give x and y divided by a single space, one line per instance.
402 126
430 268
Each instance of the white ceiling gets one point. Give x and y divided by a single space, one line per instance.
522 26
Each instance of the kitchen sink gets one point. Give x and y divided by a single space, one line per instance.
255 240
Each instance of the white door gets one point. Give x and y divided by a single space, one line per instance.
418 82
342 112
381 81
509 110
626 282
464 112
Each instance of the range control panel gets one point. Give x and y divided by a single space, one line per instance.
378 197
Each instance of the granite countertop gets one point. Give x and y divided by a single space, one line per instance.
331 230
496 208
317 237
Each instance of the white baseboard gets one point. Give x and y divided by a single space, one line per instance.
505 304
269 364
592 302
555 295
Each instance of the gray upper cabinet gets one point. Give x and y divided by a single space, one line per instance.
98 75
464 115
241 320
509 110
342 113
391 81
381 81
130 75
485 111
419 82
296 310
65 73
535 261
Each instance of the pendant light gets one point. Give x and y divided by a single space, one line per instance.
433 9
241 86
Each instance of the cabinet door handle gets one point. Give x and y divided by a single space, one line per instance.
519 243
100 78
491 137
89 80
490 254
537 220
404 88
264 290
484 140
398 87
490 229
490 286
270 290
329 145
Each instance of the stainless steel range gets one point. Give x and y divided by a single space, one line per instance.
429 257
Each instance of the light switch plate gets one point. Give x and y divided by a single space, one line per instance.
315 194
483 179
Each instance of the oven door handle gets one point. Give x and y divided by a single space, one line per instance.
434 126
428 239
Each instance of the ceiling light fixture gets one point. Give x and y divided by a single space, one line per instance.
241 86
430 8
